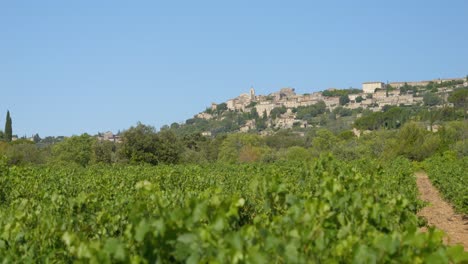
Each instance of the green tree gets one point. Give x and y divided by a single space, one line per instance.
26 152
221 107
342 111
242 148
346 135
311 111
140 144
459 98
76 149
143 144
253 113
103 152
431 99
340 92
176 125
344 99
8 128
169 147
415 143
36 138
284 139
298 153
277 112
324 141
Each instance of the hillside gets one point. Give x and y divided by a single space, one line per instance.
335 109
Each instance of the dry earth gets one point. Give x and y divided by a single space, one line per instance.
440 214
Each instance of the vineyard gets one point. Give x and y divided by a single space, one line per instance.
449 175
321 212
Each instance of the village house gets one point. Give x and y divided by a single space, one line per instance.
249 125
265 107
109 136
332 102
370 87
204 115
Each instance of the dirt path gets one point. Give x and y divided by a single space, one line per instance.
441 214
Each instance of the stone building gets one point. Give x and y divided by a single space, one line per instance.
204 115
109 136
214 106
252 94
249 125
332 102
265 107
370 87
379 94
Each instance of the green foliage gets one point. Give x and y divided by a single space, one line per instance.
431 99
221 107
392 118
76 149
433 86
242 148
284 139
22 141
341 111
460 99
451 133
346 135
8 133
169 147
190 156
376 144
36 138
340 92
20 154
277 112
297 153
344 99
103 152
450 177
322 212
254 113
311 111
406 88
143 144
324 141
415 143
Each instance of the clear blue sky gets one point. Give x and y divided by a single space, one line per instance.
69 67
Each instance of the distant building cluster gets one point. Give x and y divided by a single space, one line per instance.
109 136
373 96
285 97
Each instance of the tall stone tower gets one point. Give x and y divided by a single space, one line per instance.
252 93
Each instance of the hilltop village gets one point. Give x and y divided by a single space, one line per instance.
373 96
335 109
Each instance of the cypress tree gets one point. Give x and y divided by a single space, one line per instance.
8 128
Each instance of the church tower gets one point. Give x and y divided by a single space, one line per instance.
252 94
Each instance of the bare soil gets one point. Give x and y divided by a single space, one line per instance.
440 214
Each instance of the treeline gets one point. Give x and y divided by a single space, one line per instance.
415 132
341 92
143 144
431 86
